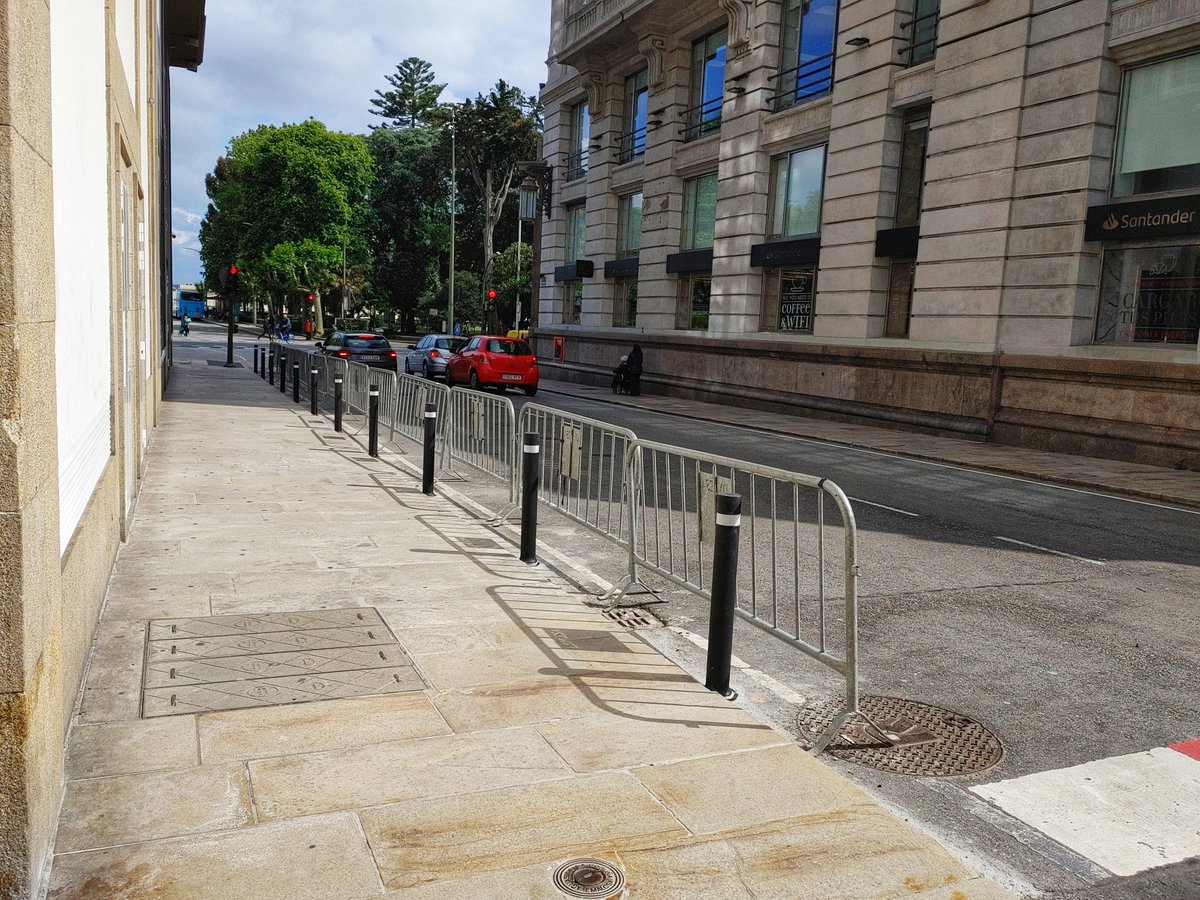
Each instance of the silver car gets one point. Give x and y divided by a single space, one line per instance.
428 356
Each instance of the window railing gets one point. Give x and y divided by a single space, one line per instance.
632 144
804 82
704 119
576 165
922 40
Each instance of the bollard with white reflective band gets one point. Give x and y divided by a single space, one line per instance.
312 391
337 403
295 382
531 458
282 374
255 359
373 421
724 594
430 437
270 374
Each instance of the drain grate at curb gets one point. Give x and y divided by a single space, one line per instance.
629 617
925 740
589 877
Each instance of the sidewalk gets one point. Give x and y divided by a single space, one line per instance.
485 725
1086 472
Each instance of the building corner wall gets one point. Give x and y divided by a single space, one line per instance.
31 686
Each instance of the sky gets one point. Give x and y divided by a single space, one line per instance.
274 62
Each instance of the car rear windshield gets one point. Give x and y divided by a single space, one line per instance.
367 342
449 343
513 348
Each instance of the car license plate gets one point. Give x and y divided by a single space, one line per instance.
370 356
508 377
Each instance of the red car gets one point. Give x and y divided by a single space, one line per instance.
495 361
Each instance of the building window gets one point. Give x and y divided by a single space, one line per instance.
572 302
625 303
923 32
695 295
633 141
1157 146
629 225
809 31
899 302
1150 295
790 299
708 86
699 212
911 180
576 232
796 201
581 135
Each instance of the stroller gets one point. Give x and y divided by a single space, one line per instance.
627 377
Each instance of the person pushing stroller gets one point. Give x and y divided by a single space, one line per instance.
627 377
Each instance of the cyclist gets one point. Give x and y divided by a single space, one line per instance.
285 328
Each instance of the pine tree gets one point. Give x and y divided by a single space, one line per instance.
414 97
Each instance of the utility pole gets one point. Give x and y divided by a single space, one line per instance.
453 216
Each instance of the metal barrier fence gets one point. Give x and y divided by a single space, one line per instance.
479 430
583 472
787 585
412 393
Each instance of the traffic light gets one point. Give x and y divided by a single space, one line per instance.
312 297
234 273
491 296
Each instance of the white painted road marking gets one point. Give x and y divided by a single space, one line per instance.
902 512
1094 562
1126 813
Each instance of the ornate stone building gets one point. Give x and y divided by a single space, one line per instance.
85 288
979 217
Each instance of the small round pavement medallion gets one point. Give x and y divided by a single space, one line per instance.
588 877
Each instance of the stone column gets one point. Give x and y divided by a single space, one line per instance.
31 737
605 102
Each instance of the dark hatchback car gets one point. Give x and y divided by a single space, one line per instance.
360 347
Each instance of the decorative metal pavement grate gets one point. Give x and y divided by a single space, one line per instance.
234 662
921 739
630 617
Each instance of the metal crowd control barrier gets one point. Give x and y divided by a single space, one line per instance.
786 584
412 393
583 468
480 430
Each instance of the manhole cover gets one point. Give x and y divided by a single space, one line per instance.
929 741
629 617
588 877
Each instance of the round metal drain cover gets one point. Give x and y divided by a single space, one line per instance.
928 740
588 877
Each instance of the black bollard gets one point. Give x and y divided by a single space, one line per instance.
530 478
271 367
430 437
373 421
337 403
256 359
312 391
295 382
282 374
724 594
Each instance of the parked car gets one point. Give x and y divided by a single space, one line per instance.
428 356
496 361
360 347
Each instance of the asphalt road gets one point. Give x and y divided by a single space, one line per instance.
1063 620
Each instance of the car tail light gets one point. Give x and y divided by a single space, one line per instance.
392 354
433 354
343 354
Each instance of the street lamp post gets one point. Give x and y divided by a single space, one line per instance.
453 217
527 210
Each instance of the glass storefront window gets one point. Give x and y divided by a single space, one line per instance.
1150 295
790 299
1157 146
625 303
629 225
695 297
798 180
576 232
699 212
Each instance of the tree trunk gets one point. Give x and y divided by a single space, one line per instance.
318 317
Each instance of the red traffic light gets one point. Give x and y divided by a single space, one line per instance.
312 296
491 293
233 270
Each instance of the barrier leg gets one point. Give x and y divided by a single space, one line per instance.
530 477
724 594
373 421
430 437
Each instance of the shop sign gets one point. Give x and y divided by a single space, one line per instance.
796 292
1143 219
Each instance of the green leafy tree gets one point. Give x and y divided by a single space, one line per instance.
413 98
287 204
468 298
512 270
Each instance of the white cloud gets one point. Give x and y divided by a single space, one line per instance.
270 62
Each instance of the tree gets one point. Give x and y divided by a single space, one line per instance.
512 280
494 133
414 98
287 204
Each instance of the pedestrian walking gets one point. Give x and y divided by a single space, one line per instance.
185 325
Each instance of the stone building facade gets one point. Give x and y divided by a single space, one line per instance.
978 217
85 326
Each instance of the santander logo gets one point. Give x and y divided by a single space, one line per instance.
1110 223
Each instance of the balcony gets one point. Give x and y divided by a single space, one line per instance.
590 20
